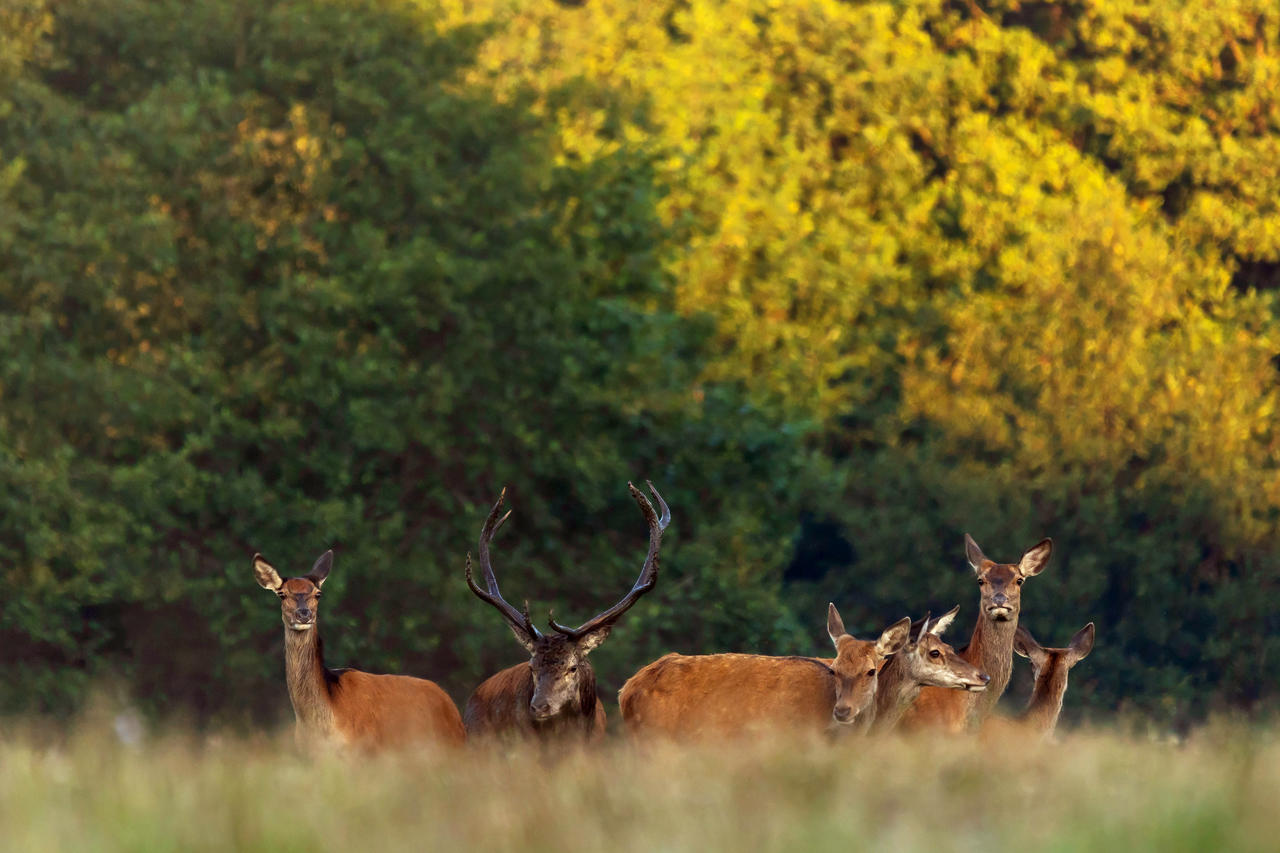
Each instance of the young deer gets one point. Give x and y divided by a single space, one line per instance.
553 693
729 695
347 707
991 646
928 662
1049 668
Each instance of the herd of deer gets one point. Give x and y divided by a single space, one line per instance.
906 678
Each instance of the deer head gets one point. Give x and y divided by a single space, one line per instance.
858 663
561 672
1049 667
299 597
1001 583
930 661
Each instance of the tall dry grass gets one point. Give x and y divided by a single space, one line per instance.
87 790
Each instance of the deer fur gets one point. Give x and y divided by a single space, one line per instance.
346 707
990 647
929 661
553 694
1049 668
736 695
499 707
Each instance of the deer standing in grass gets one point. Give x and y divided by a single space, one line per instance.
552 694
1049 668
991 646
346 707
728 695
929 662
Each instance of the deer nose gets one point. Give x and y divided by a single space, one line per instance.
985 678
842 715
999 599
540 708
302 614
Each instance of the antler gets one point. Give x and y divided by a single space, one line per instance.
520 622
648 574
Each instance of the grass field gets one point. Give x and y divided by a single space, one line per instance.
85 790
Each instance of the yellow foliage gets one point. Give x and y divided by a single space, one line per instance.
847 166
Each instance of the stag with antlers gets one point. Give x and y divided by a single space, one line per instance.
553 693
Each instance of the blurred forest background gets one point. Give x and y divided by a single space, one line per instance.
844 279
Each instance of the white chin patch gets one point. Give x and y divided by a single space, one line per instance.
976 688
301 626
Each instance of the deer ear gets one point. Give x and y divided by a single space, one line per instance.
835 625
1033 562
320 570
590 641
522 638
1023 642
1026 645
944 621
973 553
1082 643
894 637
266 576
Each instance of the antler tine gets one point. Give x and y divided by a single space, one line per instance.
666 510
648 574
491 593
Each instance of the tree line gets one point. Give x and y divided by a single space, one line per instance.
845 280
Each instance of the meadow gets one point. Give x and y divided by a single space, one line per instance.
85 789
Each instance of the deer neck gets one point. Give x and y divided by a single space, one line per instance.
1041 714
308 681
991 650
896 691
587 699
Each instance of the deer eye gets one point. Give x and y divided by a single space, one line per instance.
981 581
871 673
573 669
935 653
1019 581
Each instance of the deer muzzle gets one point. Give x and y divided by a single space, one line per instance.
980 685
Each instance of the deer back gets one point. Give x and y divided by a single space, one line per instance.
728 695
377 711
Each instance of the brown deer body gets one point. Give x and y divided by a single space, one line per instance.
346 707
927 662
734 695
1049 668
553 694
991 646
500 705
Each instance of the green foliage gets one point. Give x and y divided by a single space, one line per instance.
302 286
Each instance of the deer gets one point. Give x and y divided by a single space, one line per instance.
926 663
553 694
347 708
1049 668
734 695
990 647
